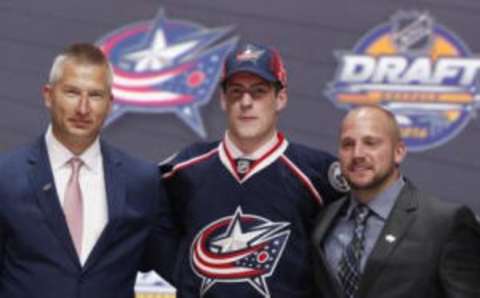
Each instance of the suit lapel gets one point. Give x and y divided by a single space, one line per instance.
324 224
43 184
326 220
116 195
398 223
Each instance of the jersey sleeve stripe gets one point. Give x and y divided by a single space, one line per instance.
303 178
190 162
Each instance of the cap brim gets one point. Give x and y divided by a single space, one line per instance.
263 74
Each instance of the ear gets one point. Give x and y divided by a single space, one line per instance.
47 95
400 152
282 99
110 103
223 100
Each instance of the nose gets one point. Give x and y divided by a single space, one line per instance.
246 100
358 151
83 106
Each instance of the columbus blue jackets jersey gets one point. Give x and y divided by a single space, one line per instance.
248 235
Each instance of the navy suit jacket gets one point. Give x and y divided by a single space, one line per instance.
37 255
427 249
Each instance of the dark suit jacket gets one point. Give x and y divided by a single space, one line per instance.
37 255
435 254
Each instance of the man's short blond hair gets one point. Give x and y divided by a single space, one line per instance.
81 53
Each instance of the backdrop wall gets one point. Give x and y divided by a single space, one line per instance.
306 33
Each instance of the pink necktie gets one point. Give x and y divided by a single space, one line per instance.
73 205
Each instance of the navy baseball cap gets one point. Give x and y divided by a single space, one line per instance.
256 59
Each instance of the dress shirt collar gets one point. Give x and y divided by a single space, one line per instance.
235 152
383 203
59 155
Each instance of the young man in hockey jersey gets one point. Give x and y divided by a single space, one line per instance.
245 205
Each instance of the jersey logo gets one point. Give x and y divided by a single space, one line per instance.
239 248
336 179
165 66
243 165
417 69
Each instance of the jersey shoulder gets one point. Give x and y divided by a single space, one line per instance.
321 166
190 155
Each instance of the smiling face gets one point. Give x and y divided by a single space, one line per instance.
370 151
79 101
252 105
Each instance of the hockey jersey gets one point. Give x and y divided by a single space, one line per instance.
247 233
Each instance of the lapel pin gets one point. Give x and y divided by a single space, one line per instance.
390 238
47 187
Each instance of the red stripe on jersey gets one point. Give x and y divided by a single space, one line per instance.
280 139
303 178
190 162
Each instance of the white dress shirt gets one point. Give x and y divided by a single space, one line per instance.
92 184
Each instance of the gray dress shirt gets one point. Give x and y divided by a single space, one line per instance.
342 232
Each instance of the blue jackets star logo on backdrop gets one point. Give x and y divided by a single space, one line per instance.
166 66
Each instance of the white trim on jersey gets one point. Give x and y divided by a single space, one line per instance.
303 178
190 162
278 153
262 164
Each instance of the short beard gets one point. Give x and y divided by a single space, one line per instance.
378 182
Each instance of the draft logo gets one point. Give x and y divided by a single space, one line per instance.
241 248
417 69
166 66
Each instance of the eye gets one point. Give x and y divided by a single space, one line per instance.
372 142
71 92
346 144
260 91
97 95
235 92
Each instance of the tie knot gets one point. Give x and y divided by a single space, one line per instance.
75 163
360 214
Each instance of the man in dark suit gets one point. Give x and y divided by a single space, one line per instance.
388 239
79 218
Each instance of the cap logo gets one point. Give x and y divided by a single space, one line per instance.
250 53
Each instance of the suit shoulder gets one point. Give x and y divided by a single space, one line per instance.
457 221
441 211
437 205
16 155
129 160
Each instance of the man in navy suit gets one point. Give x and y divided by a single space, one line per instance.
387 239
79 218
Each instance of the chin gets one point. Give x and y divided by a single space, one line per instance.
360 184
247 134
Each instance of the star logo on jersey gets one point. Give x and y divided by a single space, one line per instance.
239 248
165 66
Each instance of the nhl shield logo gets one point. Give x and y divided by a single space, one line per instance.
165 66
243 165
239 248
412 32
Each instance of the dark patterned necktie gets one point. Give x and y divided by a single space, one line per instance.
349 265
